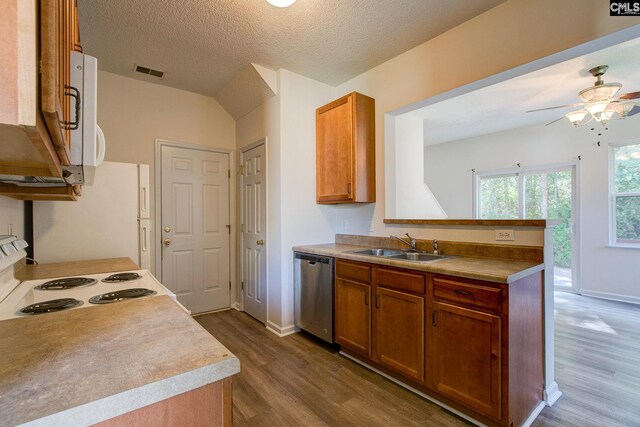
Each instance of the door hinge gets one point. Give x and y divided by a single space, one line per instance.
242 286
229 173
228 227
242 228
241 169
229 284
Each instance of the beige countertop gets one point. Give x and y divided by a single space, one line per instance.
83 366
489 269
74 268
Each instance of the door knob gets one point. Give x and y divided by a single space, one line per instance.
166 242
260 242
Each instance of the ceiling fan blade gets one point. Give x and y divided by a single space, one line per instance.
559 106
556 120
630 95
635 110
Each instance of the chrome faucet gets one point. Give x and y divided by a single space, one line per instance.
411 242
435 247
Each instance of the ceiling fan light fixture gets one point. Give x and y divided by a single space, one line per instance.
599 92
622 108
576 117
597 107
281 3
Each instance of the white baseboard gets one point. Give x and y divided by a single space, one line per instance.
552 394
610 296
236 305
534 415
281 331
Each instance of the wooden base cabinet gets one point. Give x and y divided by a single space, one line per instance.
353 315
390 330
475 346
399 332
465 357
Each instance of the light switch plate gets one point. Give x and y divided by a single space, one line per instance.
505 235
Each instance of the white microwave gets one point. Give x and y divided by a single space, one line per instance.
87 140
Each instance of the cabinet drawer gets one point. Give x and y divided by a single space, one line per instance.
401 280
353 271
466 293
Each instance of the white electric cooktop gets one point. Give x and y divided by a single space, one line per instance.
29 292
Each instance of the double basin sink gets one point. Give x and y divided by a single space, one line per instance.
400 255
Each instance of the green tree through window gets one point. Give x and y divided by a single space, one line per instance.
626 193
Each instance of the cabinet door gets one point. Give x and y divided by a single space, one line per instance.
335 151
353 316
464 357
399 332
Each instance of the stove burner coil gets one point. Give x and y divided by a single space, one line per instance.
122 277
51 306
121 295
66 283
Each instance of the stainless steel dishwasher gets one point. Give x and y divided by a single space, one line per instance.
313 294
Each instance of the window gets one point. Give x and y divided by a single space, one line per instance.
625 200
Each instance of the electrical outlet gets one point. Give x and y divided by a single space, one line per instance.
345 223
505 235
370 224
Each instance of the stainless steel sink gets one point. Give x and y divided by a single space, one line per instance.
398 254
418 256
377 252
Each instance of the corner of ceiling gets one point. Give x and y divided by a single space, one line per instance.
250 88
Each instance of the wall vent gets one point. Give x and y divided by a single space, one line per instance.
149 71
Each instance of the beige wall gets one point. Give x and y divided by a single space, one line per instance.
133 113
11 216
515 33
510 35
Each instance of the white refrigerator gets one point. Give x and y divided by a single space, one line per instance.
111 219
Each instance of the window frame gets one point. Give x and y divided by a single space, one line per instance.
614 195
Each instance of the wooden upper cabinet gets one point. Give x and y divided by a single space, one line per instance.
345 150
59 36
37 37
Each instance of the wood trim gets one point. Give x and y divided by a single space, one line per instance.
62 193
227 402
203 406
483 222
526 334
364 166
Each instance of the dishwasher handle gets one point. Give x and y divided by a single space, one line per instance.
313 258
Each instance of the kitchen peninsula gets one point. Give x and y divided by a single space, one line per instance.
465 331
113 364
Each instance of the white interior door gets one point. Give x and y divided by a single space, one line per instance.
254 221
195 227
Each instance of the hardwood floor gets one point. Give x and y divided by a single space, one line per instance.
299 381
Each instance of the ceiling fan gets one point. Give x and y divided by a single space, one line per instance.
599 102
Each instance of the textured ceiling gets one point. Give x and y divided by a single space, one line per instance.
503 106
203 44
